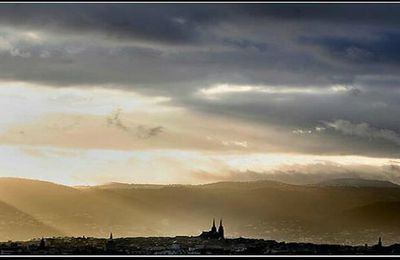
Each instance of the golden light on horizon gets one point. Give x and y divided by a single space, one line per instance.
102 135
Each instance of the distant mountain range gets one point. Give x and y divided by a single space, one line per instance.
342 210
352 182
121 185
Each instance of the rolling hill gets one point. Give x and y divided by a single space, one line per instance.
356 182
266 209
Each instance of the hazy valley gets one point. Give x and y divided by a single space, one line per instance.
328 212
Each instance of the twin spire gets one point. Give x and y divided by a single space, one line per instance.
220 231
213 228
214 233
220 223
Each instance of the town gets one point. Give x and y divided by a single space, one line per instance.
211 242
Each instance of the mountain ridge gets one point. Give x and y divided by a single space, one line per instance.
264 209
357 182
349 182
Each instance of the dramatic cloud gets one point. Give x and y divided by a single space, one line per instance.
140 131
315 79
363 130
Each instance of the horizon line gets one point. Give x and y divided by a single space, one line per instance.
190 184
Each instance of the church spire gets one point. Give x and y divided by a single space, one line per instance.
221 230
214 228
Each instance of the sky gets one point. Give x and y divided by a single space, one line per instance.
198 93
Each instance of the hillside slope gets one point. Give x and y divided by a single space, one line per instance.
256 209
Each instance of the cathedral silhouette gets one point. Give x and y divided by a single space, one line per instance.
213 233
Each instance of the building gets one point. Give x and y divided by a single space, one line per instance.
42 244
221 230
213 233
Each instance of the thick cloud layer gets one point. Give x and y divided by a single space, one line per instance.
294 67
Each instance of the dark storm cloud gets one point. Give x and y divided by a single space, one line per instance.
223 54
354 13
181 23
120 21
177 49
381 50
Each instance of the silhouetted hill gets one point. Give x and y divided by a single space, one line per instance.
383 214
354 182
245 185
15 224
265 209
121 185
22 183
117 185
33 196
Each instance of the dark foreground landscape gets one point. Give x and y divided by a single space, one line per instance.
183 245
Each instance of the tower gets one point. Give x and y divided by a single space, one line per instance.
110 244
42 244
214 228
380 242
221 230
